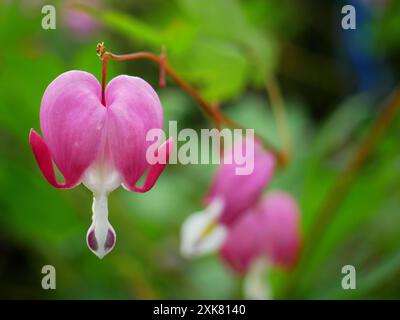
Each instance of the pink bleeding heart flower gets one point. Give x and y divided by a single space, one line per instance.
267 235
270 228
102 146
230 195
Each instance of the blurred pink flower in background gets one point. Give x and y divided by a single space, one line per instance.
267 236
242 244
280 236
240 192
230 195
102 146
250 232
80 24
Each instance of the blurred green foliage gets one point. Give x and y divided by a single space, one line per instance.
206 49
227 49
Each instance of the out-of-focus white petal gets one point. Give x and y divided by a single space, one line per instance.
201 233
256 286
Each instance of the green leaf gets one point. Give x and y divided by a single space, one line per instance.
218 69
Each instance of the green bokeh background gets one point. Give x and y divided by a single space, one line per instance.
225 48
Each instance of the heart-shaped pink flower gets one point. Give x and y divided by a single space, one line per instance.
102 146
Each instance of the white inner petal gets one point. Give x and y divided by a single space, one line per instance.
256 286
101 177
201 233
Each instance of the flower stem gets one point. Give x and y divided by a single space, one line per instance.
214 113
278 109
103 82
171 72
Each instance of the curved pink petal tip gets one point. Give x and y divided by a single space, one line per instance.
155 170
43 159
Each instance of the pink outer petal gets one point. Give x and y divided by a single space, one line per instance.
133 109
43 158
242 244
71 119
240 192
155 170
279 217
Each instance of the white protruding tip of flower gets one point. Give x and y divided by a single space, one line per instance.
101 178
201 233
256 286
101 236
